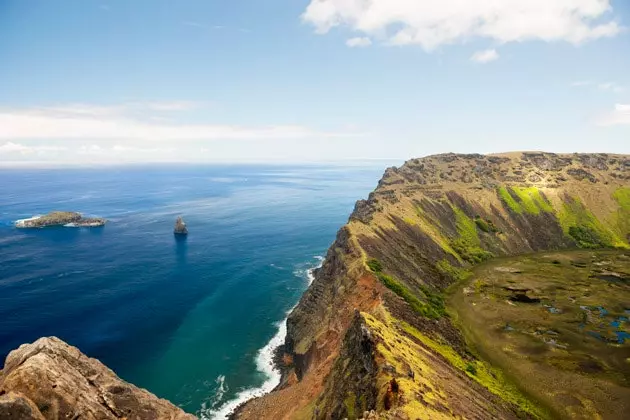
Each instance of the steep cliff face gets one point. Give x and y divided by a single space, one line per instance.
49 379
372 332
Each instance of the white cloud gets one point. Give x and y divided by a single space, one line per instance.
133 122
359 42
17 148
485 56
605 86
432 23
610 87
620 116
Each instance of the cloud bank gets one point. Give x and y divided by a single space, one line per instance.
619 116
133 121
432 23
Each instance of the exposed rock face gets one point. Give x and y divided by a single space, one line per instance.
180 227
50 379
426 223
61 218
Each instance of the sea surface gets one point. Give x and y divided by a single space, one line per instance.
195 320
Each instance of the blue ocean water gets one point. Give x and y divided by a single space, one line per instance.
185 319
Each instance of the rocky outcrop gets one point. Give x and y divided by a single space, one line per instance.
61 218
50 379
180 227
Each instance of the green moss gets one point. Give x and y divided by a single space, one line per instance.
434 306
490 378
375 265
350 403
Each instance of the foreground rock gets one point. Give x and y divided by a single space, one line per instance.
61 218
180 227
50 379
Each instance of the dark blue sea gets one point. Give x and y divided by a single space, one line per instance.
193 321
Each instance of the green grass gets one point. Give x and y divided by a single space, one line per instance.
579 223
528 200
468 244
507 198
375 265
481 372
350 403
454 273
622 196
434 306
485 225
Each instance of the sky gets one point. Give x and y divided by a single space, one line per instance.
134 81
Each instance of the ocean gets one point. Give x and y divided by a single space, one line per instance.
195 320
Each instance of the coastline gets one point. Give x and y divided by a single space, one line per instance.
266 362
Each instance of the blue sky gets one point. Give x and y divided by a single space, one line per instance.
119 81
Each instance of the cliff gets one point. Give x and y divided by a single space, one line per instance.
373 335
49 379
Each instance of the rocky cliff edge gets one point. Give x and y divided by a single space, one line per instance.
50 379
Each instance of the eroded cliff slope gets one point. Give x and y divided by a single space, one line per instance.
373 334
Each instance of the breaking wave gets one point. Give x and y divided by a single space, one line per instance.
264 363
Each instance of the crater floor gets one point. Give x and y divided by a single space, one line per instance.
557 324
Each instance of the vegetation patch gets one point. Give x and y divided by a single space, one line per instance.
455 273
468 245
433 305
586 237
509 201
487 226
579 223
525 200
350 403
375 265
622 196
481 372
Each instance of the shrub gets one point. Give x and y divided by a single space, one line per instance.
471 368
375 265
586 237
434 308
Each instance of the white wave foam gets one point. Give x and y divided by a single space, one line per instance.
264 363
21 222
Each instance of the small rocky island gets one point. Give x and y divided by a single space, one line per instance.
61 218
180 227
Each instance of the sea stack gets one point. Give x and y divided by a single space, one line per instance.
180 227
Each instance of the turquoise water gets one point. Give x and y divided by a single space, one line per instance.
185 319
